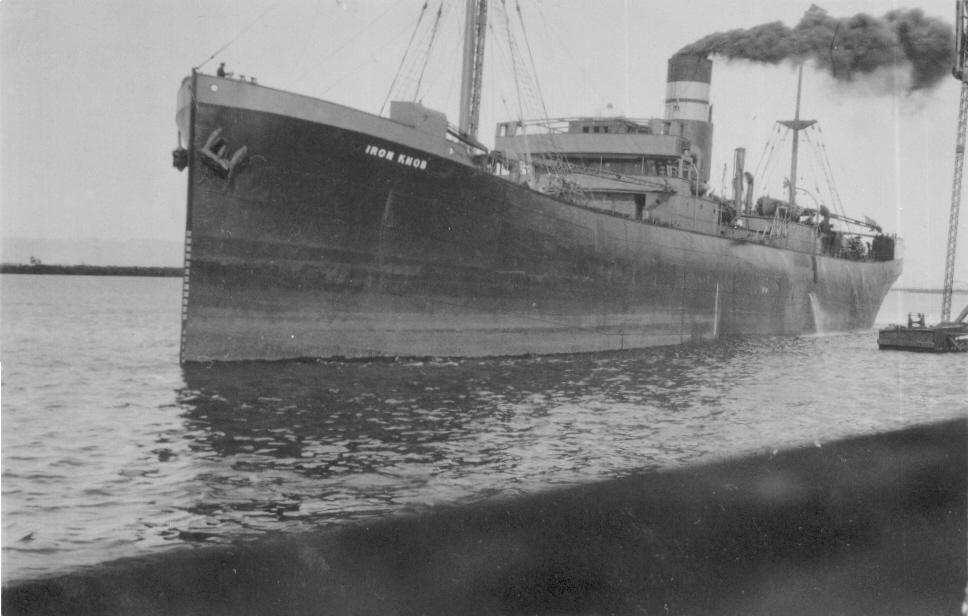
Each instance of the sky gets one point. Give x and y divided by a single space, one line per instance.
88 90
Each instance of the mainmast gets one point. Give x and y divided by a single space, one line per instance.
796 125
475 25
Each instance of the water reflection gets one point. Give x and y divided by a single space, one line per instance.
306 443
277 446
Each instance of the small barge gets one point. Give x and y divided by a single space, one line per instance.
950 336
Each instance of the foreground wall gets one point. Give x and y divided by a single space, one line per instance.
874 525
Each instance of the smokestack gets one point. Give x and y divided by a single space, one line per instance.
687 88
687 109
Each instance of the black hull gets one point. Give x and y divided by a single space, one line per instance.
323 245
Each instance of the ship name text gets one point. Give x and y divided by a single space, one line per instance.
398 157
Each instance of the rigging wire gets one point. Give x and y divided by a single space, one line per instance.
763 167
514 71
352 39
534 68
502 65
817 167
768 148
430 47
406 53
821 182
408 84
780 144
311 33
547 26
828 170
450 77
816 163
237 36
354 70
513 55
529 93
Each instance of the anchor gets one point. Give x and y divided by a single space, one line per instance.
214 152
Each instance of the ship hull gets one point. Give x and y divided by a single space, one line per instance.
345 235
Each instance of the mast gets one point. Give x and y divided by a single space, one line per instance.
796 125
475 25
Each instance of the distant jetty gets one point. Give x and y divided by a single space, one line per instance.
918 290
89 270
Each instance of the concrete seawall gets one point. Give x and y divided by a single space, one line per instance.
872 525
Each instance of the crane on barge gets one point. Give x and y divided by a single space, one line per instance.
959 71
948 335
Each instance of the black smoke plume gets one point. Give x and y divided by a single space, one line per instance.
848 48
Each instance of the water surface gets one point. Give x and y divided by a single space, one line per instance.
110 448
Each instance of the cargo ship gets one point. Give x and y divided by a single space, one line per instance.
315 230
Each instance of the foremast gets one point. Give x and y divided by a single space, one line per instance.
475 26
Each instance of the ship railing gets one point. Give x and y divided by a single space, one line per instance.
532 127
551 126
501 164
571 168
853 246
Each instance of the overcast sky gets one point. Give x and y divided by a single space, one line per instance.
87 98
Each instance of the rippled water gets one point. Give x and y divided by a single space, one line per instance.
111 449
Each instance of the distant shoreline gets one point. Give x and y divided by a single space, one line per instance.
90 270
914 290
